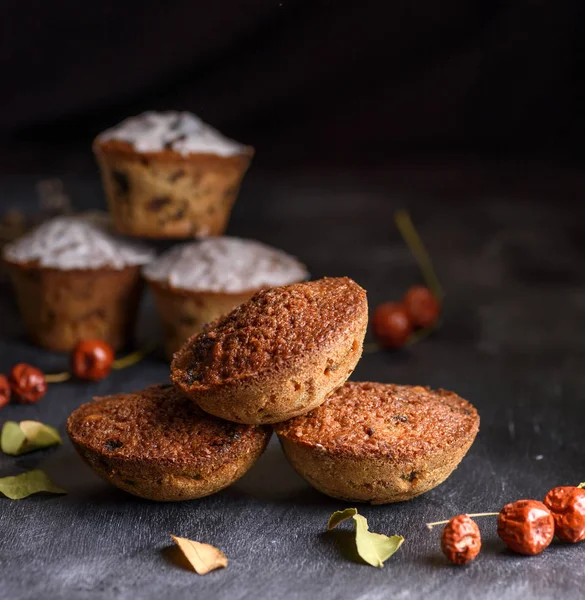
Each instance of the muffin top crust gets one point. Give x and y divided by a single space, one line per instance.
182 132
77 242
225 265
383 419
270 331
158 424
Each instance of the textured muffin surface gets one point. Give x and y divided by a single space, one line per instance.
278 355
380 443
181 132
157 444
224 264
77 242
157 424
400 421
269 331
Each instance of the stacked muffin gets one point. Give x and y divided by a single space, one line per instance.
281 358
169 175
76 279
269 350
165 175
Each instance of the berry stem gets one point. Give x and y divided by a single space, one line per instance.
57 377
422 257
133 357
421 334
486 514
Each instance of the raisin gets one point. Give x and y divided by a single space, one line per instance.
176 175
121 183
111 445
158 203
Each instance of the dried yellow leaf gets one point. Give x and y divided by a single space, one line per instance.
26 436
202 557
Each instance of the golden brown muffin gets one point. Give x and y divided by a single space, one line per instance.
200 281
183 312
380 443
74 279
159 445
278 355
61 308
158 185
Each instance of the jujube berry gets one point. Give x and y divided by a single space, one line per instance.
391 325
5 391
92 359
422 306
27 383
567 505
461 540
526 526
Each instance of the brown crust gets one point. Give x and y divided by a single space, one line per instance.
185 312
61 307
379 443
157 444
279 354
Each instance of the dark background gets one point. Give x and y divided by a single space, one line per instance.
307 82
468 115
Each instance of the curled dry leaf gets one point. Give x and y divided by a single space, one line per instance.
26 484
26 436
202 557
373 548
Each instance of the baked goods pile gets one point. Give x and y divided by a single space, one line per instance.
255 347
281 358
169 175
165 175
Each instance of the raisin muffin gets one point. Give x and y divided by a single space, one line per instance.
380 443
278 355
159 445
74 279
169 175
198 282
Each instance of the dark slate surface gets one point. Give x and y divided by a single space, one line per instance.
513 343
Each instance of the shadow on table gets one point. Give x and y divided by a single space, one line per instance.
272 479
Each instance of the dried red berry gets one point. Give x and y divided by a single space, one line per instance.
421 305
391 325
92 359
567 505
461 540
5 391
27 383
526 526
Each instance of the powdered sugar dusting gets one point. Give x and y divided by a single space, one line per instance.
182 132
79 242
225 264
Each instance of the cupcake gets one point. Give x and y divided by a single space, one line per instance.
169 175
278 355
379 442
157 444
76 280
198 282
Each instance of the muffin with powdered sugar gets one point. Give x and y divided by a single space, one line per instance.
74 279
198 282
169 175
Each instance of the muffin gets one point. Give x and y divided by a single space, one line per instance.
169 175
159 445
75 280
380 443
278 355
198 282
